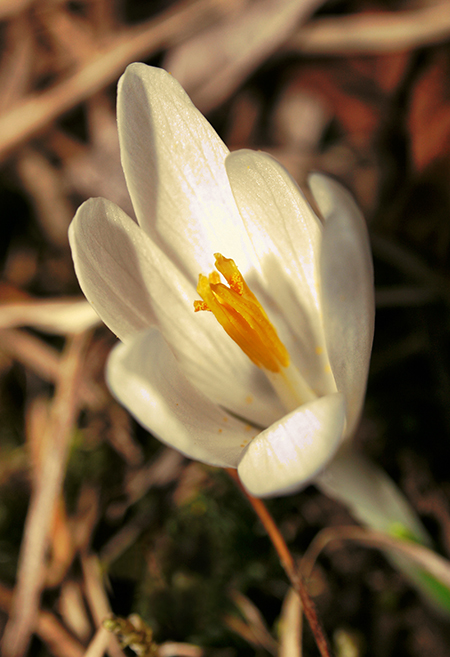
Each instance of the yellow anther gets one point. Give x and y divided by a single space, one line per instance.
232 275
241 315
214 277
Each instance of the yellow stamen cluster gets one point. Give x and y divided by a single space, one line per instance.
241 315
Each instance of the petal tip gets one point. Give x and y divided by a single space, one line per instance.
287 456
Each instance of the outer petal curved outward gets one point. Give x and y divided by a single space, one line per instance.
132 284
173 162
108 266
347 291
286 235
289 454
146 378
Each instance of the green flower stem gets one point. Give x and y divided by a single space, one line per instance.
375 501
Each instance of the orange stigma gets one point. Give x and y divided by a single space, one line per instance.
241 315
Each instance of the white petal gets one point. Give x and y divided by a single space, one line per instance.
132 284
145 377
286 235
289 454
173 162
109 267
347 291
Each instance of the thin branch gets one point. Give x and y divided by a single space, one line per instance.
287 561
172 649
44 361
11 7
223 57
98 602
30 582
375 33
57 639
99 643
36 112
424 557
290 626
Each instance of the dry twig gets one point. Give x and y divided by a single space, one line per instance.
287 561
375 33
424 557
36 112
30 578
57 639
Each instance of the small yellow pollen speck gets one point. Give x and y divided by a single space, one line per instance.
241 315
220 430
225 419
319 351
248 427
328 369
200 305
248 399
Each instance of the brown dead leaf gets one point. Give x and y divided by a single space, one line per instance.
429 116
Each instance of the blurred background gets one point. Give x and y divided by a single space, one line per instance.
96 516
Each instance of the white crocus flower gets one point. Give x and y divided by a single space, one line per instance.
278 398
271 381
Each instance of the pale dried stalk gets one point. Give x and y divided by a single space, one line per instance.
425 558
375 33
99 643
43 183
30 578
17 61
31 352
70 40
102 16
98 602
11 7
55 316
72 610
48 629
44 361
36 112
223 57
290 626
172 649
253 629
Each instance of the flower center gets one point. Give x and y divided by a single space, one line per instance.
241 315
